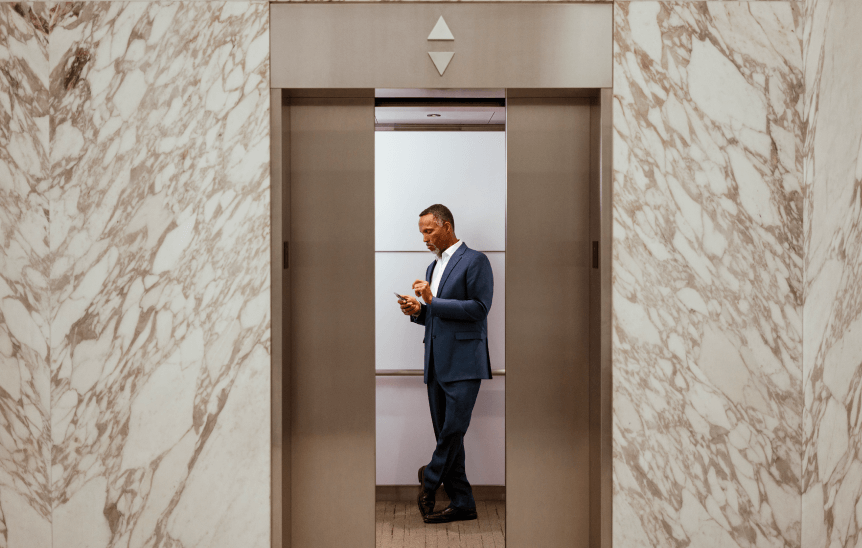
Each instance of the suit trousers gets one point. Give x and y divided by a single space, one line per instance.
451 405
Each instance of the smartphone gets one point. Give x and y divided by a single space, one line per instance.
400 297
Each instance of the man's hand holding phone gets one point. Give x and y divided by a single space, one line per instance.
409 305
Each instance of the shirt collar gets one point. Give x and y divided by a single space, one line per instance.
451 250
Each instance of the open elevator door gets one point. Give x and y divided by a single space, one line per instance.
329 322
548 269
330 230
323 378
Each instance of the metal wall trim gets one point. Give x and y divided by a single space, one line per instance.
496 45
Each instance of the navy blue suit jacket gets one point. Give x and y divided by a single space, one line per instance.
456 321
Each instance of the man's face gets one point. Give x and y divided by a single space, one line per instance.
433 235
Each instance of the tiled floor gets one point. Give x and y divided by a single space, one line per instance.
399 525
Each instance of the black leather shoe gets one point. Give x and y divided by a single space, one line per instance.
451 514
425 499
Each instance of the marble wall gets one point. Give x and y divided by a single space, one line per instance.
832 363
145 298
707 275
25 425
134 274
160 227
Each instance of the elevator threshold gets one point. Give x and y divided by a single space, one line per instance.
399 525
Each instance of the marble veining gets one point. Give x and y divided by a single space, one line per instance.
832 363
25 434
707 275
134 274
160 334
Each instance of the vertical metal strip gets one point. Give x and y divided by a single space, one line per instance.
332 331
605 273
276 375
547 326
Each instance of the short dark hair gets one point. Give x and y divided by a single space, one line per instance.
441 215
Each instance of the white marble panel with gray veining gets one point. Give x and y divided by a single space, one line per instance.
25 434
160 232
832 363
707 274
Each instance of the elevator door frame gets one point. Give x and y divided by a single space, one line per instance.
532 48
600 310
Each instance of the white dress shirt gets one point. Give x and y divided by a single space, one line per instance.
440 267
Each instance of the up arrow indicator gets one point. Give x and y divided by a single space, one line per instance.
441 31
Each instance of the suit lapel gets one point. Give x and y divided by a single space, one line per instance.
450 266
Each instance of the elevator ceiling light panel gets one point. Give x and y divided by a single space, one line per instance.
441 31
455 115
441 59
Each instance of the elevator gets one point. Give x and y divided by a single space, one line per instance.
557 97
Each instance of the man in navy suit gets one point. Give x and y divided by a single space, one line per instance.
457 293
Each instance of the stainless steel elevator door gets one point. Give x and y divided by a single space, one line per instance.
547 323
332 322
331 351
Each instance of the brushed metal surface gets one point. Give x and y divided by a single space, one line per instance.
432 93
547 323
601 218
332 322
604 390
384 45
280 450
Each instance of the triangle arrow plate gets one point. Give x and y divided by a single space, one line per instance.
441 59
441 31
